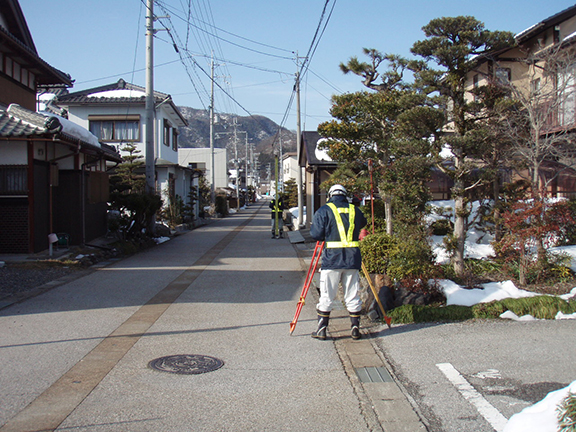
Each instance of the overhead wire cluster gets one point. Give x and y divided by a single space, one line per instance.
199 27
304 67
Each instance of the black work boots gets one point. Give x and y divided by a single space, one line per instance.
323 318
355 321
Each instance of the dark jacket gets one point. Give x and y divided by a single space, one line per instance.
281 207
324 228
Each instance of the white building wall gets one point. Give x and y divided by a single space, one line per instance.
203 155
79 115
289 167
14 153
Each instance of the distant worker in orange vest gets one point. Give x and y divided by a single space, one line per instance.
338 223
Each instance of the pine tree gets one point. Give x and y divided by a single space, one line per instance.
452 43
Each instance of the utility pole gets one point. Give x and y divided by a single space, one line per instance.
149 138
298 144
281 162
246 168
236 164
149 108
277 198
212 197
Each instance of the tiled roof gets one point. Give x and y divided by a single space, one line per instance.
546 23
22 123
84 96
88 97
17 122
45 74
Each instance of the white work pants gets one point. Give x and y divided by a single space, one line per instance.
330 281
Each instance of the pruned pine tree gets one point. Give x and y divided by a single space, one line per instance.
452 44
372 126
128 174
128 196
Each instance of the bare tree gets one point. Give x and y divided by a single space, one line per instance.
541 118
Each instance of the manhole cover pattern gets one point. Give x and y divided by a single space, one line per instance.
190 364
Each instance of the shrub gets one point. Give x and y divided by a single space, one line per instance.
411 258
379 215
442 227
541 307
407 314
375 250
529 227
406 258
221 204
567 414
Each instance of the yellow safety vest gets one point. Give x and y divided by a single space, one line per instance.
345 237
276 208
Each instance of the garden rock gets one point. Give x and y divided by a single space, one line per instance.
403 296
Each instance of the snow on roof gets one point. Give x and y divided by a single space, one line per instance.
570 36
523 32
76 131
119 93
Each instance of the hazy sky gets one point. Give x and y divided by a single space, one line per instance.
255 43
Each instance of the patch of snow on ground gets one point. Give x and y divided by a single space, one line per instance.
456 295
542 416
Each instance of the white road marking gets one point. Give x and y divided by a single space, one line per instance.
491 414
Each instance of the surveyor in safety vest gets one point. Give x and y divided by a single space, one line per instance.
338 223
277 207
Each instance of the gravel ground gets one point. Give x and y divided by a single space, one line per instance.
18 280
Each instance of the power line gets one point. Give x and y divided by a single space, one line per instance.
235 35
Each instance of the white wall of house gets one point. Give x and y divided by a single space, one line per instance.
188 156
14 153
80 114
289 167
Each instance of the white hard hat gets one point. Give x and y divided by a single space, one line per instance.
337 189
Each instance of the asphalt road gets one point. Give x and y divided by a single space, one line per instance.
75 358
508 366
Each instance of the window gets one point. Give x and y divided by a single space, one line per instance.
14 70
175 139
535 86
115 128
13 180
476 84
24 79
504 75
8 69
166 133
567 96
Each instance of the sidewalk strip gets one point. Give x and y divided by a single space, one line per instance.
51 408
491 414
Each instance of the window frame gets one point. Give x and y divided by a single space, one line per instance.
92 119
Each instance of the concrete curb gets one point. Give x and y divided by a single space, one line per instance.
386 406
388 401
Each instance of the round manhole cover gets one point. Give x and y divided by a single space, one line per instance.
190 364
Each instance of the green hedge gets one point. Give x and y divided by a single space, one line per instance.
542 307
